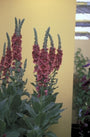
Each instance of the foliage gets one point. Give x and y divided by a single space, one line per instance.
81 90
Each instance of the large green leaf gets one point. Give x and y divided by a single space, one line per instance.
3 108
36 105
35 132
3 104
31 134
28 121
40 119
13 134
50 134
16 102
30 110
49 106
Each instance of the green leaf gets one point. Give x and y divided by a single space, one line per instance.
29 121
50 134
16 102
31 133
3 104
35 132
36 106
40 119
20 114
49 106
2 126
26 93
13 134
30 110
33 84
25 64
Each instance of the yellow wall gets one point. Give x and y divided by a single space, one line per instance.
84 45
60 16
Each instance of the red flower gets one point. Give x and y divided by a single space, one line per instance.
7 62
4 135
37 88
51 58
45 63
46 92
43 66
16 49
16 40
58 59
35 53
1 63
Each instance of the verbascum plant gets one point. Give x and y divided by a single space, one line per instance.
32 117
12 85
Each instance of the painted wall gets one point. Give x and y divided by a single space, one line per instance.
60 16
84 45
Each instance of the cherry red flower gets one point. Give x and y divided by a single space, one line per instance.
43 67
1 63
58 59
7 62
16 47
45 63
51 58
35 53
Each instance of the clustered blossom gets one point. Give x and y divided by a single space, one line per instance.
1 65
51 58
35 53
58 59
11 56
16 48
45 63
7 62
43 67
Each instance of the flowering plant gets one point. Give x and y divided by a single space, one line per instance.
85 110
46 62
30 117
82 90
80 73
12 86
43 100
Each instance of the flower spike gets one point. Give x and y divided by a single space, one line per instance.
4 48
51 40
59 42
8 39
46 38
18 26
36 39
